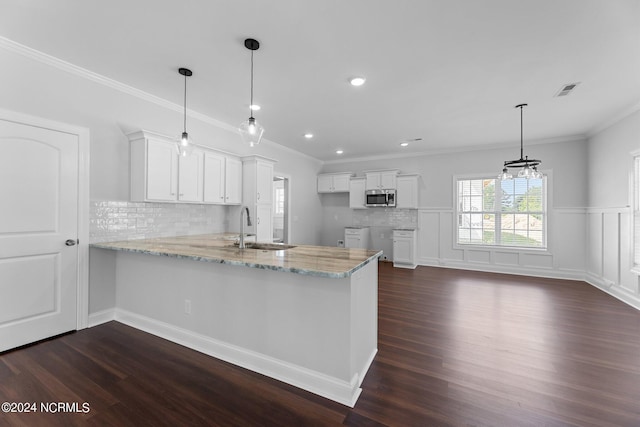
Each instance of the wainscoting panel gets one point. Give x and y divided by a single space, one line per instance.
506 258
594 233
611 244
436 246
536 260
478 256
610 253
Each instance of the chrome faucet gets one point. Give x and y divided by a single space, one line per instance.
242 209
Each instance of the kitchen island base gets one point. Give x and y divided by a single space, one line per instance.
316 333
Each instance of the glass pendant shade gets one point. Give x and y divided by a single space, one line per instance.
525 172
505 175
251 131
185 145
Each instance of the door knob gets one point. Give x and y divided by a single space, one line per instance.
71 242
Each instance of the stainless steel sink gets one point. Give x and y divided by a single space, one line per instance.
266 246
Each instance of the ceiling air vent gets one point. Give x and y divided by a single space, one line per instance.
566 89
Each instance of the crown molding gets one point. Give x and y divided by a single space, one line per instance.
621 115
453 150
68 67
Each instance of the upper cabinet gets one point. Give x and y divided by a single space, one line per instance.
356 193
407 191
222 178
154 168
159 174
334 182
190 176
384 179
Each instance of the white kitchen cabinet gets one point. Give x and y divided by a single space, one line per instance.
404 248
334 182
154 167
356 193
407 191
356 237
191 176
233 180
222 178
257 189
264 223
385 179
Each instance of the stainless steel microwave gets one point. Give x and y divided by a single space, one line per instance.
380 198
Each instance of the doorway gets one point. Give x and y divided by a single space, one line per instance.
281 204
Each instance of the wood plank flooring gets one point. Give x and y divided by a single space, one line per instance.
456 348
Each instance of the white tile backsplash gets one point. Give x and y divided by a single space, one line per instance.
117 220
386 217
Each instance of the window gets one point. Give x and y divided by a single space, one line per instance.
502 213
279 201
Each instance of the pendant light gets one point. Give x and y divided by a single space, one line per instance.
185 144
250 130
528 167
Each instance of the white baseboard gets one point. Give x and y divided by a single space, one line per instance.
100 317
552 273
344 392
614 290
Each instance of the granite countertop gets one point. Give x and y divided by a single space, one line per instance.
322 261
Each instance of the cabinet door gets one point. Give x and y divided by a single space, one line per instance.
356 194
341 183
264 182
403 250
388 180
373 181
407 194
352 241
162 170
214 178
325 183
190 177
233 181
264 230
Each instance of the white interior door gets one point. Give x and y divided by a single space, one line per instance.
38 233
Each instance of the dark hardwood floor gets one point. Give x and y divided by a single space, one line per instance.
456 348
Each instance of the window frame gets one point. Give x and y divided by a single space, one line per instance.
546 227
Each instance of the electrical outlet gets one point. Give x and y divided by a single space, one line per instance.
187 306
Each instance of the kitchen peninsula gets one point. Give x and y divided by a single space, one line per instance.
305 315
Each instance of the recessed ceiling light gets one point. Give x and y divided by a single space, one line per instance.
404 144
254 107
339 151
357 81
308 135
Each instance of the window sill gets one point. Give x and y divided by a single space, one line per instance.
505 249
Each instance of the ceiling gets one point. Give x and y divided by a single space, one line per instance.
448 72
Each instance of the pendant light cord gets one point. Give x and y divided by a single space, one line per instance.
251 103
521 135
185 103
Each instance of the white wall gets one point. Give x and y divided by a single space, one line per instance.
564 162
610 227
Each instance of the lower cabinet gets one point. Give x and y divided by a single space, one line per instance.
356 237
404 248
